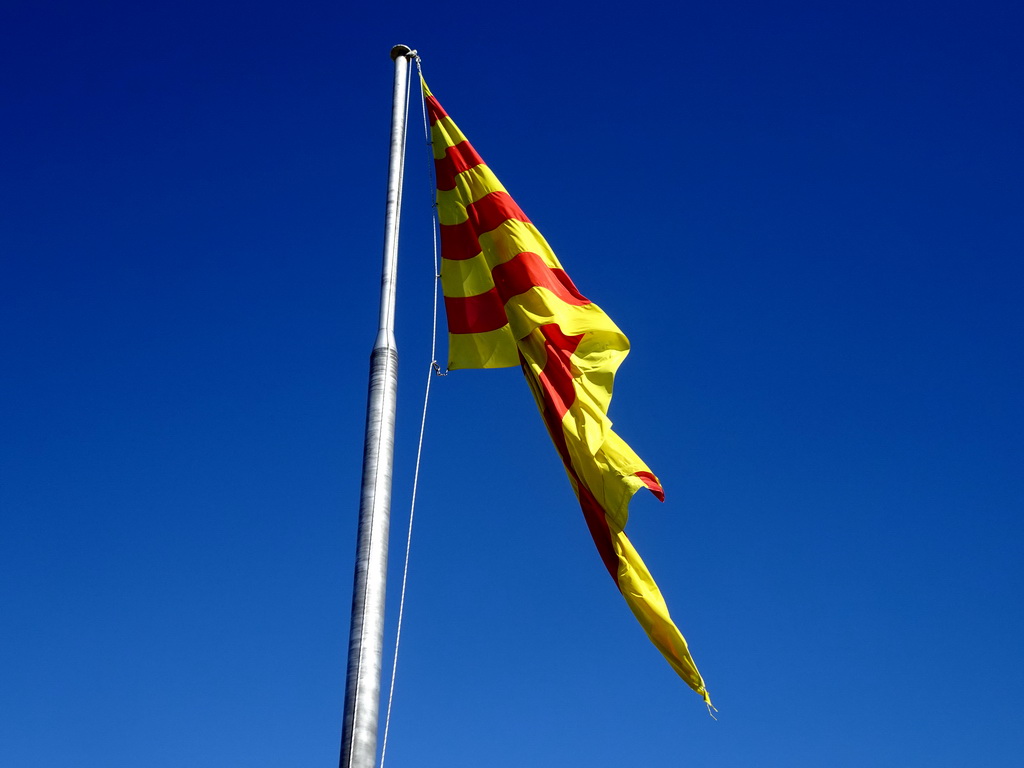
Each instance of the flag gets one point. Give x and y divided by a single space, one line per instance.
509 302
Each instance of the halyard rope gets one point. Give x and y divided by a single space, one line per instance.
434 367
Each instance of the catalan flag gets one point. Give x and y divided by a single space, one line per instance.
509 302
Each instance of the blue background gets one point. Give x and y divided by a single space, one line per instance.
806 217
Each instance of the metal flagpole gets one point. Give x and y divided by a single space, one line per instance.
366 636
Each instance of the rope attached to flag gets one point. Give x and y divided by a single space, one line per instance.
433 369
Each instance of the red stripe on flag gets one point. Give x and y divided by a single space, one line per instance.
598 525
490 211
475 314
434 109
526 271
457 159
556 378
652 482
461 241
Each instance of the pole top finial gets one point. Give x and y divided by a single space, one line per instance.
401 50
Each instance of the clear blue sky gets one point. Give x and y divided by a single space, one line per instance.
808 219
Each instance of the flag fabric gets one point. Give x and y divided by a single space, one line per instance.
509 302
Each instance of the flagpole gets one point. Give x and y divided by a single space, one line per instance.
366 635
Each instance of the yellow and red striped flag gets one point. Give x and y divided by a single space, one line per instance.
509 302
